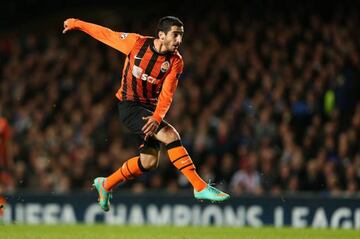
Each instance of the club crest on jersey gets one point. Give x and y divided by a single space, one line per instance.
165 66
123 35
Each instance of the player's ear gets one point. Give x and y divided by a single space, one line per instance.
161 35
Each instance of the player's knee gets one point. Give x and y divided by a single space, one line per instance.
171 134
149 161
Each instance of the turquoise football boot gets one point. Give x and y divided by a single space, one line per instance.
211 194
104 196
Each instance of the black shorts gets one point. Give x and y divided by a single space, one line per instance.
131 115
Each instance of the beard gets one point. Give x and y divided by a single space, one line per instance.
170 47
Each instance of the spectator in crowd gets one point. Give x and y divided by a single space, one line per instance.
6 160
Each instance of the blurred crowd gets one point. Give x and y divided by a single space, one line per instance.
265 106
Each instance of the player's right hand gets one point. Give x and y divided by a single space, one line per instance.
69 24
150 127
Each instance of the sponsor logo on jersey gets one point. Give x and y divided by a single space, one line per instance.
137 71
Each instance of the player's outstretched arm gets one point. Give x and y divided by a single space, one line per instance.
121 41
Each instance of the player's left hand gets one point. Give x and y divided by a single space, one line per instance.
150 127
69 24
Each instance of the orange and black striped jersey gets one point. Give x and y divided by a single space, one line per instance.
149 77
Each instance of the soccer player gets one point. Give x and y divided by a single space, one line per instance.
150 77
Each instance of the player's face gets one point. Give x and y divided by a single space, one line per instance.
173 38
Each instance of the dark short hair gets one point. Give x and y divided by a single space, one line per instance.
165 24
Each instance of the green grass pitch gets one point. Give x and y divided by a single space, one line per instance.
167 232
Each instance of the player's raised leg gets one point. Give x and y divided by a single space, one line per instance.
180 158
